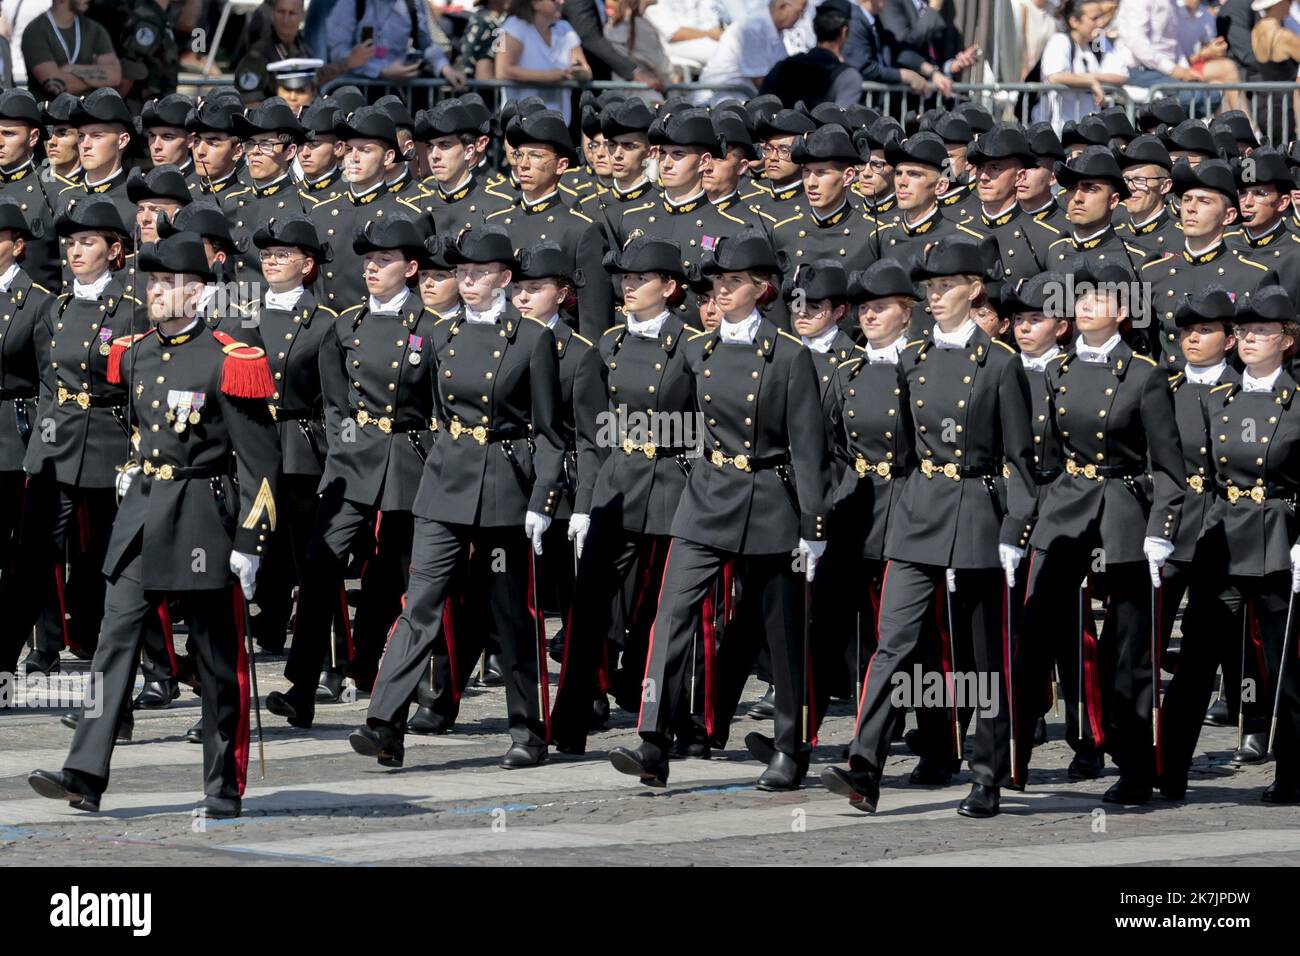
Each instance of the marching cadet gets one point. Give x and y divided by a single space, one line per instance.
492 473
970 407
159 192
595 168
543 151
781 177
270 135
293 325
398 171
1041 326
625 124
20 119
1253 512
62 164
1190 140
72 468
217 151
161 124
875 179
1035 191
629 514
1093 187
320 154
456 194
1146 166
1207 206
724 173
376 374
833 219
23 301
756 388
1198 566
1264 184
999 157
957 137
437 278
370 137
199 411
104 128
221 302
1122 493
1084 134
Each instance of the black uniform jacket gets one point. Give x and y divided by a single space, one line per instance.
19 375
1198 465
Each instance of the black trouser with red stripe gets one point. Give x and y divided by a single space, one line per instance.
506 575
610 556
1072 633
49 635
56 519
342 526
215 643
770 608
1124 652
908 608
286 559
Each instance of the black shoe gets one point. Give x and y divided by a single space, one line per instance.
380 742
426 721
685 747
572 748
761 747
913 742
1218 714
599 712
1281 793
862 789
1040 732
1252 750
555 649
1086 765
271 650
520 756
930 773
329 687
1128 793
982 802
73 718
765 709
195 734
218 808
646 761
295 711
62 785
1173 788
41 661
493 674
157 694
783 773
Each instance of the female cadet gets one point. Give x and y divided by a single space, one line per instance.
756 388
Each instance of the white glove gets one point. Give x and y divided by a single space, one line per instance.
951 577
535 526
812 552
244 567
1157 551
124 479
1009 557
1295 567
578 526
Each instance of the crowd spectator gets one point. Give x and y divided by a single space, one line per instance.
1278 51
539 47
1147 45
927 27
879 57
749 49
1205 51
397 50
690 29
1240 19
588 18
17 14
820 75
66 51
478 45
635 37
1069 60
283 40
1036 23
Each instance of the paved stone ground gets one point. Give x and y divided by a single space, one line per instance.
451 804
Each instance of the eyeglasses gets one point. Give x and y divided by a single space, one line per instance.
278 255
876 165
1144 182
780 152
475 275
1243 332
262 145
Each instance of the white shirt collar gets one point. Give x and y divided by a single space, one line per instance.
1206 251
647 329
283 300
1204 374
1151 218
278 179
367 190
550 323
956 339
7 279
393 305
92 290
887 354
449 313
100 182
822 341
1090 236
1251 384
1039 364
743 331
1099 355
488 316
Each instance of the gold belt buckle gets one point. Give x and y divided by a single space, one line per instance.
363 416
649 449
950 471
927 468
861 467
717 458
385 425
1196 483
1090 471
741 462
275 412
628 447
883 469
479 434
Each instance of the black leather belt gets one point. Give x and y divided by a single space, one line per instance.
1045 476
292 415
1099 472
957 472
14 394
745 462
1256 495
178 472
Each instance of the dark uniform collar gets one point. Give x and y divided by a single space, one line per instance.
1220 249
1093 242
214 186
636 192
924 226
786 193
19 172
727 201
1284 387
271 188
456 195
979 345
1119 361
1002 219
689 205
325 182
116 179
1156 223
884 205
549 201
398 184
366 198
180 339
835 218
954 196
1268 237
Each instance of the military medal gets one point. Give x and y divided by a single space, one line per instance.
105 336
414 342
195 417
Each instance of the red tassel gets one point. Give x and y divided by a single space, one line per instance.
115 353
247 377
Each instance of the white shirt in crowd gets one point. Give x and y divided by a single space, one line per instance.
747 49
538 55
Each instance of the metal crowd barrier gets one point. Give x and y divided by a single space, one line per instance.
1271 106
